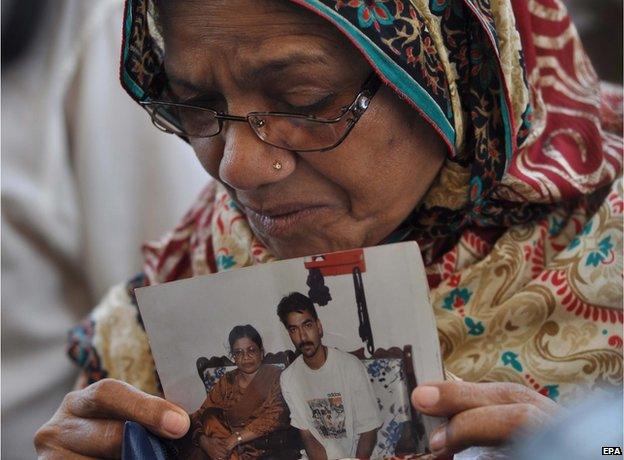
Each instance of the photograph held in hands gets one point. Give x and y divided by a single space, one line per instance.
313 357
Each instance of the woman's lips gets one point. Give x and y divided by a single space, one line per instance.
285 220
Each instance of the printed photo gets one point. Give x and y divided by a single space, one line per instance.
303 358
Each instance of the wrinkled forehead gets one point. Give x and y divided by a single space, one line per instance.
261 41
235 21
251 43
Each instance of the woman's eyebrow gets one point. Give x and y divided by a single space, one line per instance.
282 64
187 85
252 74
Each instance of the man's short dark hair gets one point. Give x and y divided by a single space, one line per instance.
295 302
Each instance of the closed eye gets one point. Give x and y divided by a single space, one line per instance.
213 102
310 109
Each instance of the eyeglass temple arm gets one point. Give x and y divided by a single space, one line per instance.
225 116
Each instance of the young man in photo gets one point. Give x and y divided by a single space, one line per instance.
328 391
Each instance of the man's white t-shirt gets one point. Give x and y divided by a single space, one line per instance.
336 403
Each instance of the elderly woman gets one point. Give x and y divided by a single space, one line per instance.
244 404
478 129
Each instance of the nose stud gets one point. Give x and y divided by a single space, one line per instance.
277 165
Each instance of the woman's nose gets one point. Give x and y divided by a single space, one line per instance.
247 162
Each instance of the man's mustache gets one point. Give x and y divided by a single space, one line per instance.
303 344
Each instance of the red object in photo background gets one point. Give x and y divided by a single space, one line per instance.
338 263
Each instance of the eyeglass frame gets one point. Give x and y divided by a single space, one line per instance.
251 353
356 108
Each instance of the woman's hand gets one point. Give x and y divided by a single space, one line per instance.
231 443
480 414
215 448
89 422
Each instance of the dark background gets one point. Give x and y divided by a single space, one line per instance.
600 24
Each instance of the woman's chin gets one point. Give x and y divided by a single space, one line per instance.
248 370
303 247
320 232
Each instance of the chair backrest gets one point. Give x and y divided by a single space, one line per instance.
211 370
392 376
387 376
211 375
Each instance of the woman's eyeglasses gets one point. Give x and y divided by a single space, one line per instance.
290 131
252 352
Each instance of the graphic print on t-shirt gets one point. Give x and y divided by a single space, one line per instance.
329 416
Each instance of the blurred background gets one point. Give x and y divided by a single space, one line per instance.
599 23
86 179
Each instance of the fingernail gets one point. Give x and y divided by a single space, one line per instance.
175 423
427 396
437 443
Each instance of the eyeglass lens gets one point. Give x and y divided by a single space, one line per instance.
187 121
238 353
297 133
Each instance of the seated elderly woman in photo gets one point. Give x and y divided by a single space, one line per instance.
244 405
478 129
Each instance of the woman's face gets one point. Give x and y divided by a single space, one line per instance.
239 56
247 355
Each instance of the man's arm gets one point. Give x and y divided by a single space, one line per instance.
366 444
315 449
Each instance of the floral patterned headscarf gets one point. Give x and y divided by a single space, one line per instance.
521 232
